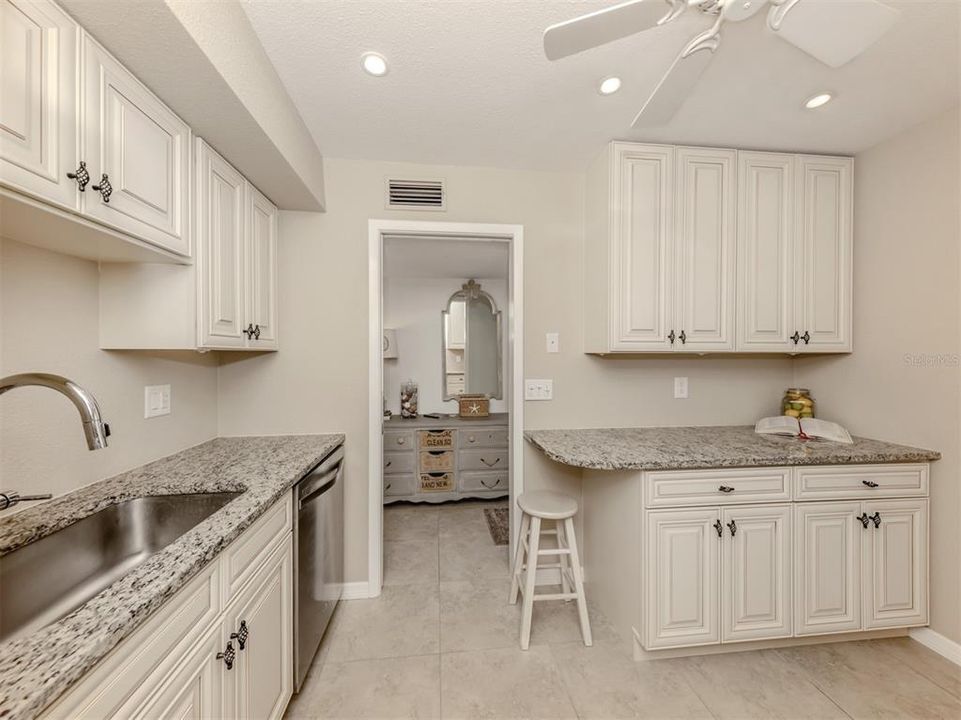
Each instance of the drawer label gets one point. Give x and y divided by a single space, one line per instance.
437 483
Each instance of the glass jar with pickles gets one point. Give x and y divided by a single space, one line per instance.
798 403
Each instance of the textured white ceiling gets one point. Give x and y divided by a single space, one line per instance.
469 84
448 258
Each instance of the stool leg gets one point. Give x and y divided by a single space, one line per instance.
578 583
563 560
528 606
519 558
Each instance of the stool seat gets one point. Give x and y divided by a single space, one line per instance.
547 504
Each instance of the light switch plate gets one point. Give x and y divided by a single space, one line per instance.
538 389
156 400
553 342
680 388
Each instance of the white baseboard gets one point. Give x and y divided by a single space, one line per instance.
939 643
356 591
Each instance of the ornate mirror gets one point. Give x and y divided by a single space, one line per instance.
471 331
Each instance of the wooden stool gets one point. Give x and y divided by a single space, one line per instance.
547 505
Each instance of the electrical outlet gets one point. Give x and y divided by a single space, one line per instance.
680 388
553 342
156 400
538 389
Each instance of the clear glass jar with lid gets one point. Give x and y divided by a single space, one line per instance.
798 403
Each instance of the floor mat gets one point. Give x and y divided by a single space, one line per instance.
498 522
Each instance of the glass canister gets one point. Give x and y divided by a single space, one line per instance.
798 403
408 399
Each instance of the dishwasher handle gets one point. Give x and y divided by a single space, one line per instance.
321 479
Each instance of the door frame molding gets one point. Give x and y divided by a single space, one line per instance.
377 231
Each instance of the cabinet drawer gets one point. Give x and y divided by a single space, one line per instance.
245 555
480 459
483 481
717 487
482 437
399 462
437 461
860 481
435 439
398 440
134 669
436 482
395 485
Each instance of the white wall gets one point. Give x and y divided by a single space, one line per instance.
48 323
903 382
413 306
318 381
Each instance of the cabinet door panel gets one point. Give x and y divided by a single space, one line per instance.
827 568
220 251
263 681
704 252
824 251
682 578
262 269
38 110
756 573
896 564
765 250
641 262
142 147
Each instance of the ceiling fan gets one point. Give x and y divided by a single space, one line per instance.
832 31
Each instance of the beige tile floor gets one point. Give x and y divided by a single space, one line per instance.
441 641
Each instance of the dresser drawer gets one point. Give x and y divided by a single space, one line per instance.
482 437
399 485
717 487
399 462
483 459
842 482
435 439
436 482
437 461
483 481
395 440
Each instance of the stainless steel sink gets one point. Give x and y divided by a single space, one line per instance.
47 579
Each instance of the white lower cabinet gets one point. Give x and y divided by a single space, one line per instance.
222 647
730 572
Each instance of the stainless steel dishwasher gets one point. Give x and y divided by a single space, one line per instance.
319 557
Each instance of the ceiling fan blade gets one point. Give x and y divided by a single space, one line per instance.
831 31
603 26
675 87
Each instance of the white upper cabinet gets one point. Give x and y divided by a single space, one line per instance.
138 154
824 252
262 270
765 248
713 250
704 229
38 107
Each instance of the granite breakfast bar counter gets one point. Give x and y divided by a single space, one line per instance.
38 668
714 539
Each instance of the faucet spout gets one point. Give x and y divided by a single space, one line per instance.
95 430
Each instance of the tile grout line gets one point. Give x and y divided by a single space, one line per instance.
917 670
814 683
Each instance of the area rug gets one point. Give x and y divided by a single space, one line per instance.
498 522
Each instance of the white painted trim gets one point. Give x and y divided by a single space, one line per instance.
355 590
377 230
945 647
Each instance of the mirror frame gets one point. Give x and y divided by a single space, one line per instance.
471 290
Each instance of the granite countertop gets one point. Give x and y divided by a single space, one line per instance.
37 668
721 446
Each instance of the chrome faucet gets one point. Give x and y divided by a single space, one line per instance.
94 428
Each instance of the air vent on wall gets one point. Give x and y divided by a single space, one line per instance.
415 194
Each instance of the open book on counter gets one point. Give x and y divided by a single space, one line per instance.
805 428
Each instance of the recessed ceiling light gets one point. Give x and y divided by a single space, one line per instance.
374 63
818 100
610 85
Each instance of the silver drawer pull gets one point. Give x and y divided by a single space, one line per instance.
725 489
490 464
492 486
